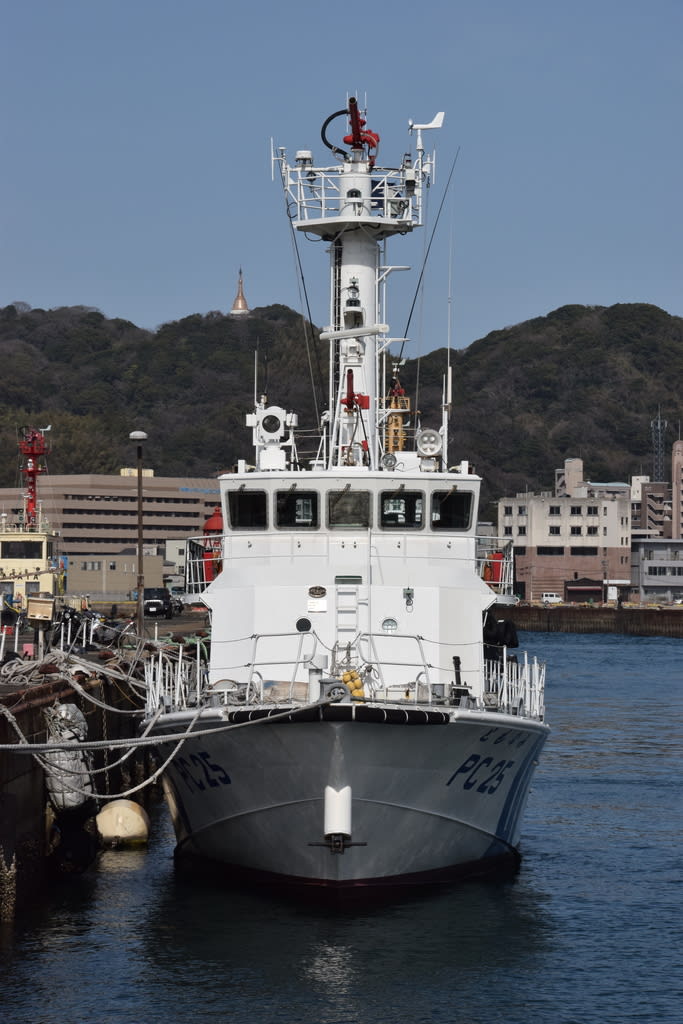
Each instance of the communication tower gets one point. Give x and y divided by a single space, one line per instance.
658 429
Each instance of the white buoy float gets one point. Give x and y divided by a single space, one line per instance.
123 823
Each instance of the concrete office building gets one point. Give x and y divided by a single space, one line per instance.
95 518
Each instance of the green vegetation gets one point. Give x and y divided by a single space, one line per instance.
583 381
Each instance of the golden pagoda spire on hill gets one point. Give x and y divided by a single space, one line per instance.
239 306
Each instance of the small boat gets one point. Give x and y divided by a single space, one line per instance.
362 718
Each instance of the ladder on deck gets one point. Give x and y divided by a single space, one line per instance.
347 620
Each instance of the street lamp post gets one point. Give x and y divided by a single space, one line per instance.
139 436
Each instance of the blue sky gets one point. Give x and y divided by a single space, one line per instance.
136 152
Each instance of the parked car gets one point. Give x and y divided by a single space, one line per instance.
551 598
157 601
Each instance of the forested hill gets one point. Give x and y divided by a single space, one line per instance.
583 381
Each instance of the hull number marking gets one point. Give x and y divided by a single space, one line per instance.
199 772
482 773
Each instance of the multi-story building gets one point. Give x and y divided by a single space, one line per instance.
575 541
657 540
657 570
95 519
650 508
677 491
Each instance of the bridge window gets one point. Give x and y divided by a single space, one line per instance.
247 510
298 510
451 510
22 549
348 509
401 510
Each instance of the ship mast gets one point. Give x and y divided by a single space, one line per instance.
33 448
356 206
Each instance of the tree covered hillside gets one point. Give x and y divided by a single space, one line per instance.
583 381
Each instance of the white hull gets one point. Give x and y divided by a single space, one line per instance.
425 801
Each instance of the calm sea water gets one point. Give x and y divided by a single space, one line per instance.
589 931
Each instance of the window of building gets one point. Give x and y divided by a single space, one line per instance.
575 531
588 552
520 549
348 509
554 510
451 510
507 510
554 531
521 530
575 510
521 510
592 510
298 510
401 510
591 531
247 510
549 550
507 530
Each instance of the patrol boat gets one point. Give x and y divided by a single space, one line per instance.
360 720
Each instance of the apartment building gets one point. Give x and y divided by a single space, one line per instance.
574 541
651 508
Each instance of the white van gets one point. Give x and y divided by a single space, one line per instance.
551 598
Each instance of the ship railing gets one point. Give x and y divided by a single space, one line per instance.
270 672
175 676
203 561
302 661
249 672
425 682
515 687
495 563
318 193
370 655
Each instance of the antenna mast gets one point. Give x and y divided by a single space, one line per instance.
658 428
33 448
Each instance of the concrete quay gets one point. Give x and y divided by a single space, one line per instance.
568 618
